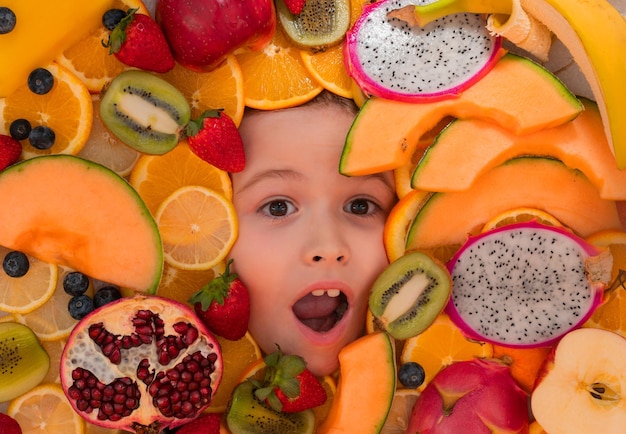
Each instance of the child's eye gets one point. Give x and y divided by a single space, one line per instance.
278 208
361 207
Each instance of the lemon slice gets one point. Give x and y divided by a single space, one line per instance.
46 409
198 227
25 294
398 419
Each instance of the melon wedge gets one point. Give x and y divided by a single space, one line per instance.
517 94
367 384
472 147
69 211
546 184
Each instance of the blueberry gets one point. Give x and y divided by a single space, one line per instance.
40 81
20 129
7 20
41 137
105 295
79 306
15 264
112 18
75 283
411 375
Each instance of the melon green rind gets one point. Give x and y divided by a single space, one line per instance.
65 210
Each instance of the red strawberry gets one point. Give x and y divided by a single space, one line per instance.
208 423
223 304
8 425
138 41
214 137
10 151
288 386
295 6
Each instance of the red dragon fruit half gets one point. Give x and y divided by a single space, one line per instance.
526 284
141 364
391 59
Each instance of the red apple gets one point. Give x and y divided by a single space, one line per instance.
581 387
471 397
201 33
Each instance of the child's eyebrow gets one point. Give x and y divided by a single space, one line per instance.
269 174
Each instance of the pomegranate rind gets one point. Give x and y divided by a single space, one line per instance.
592 257
116 318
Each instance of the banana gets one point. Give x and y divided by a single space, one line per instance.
593 31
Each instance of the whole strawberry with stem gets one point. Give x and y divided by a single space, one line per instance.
137 40
10 151
223 305
288 386
214 137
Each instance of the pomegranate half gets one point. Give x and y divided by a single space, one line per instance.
141 364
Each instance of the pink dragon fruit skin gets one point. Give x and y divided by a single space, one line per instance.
400 62
505 306
471 397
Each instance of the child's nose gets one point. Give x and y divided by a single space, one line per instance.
317 258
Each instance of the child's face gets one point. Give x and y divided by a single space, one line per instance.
310 240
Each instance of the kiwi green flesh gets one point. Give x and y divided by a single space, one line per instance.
409 294
23 361
321 24
246 415
144 111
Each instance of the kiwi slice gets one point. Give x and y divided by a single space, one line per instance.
246 415
409 294
144 111
321 24
23 361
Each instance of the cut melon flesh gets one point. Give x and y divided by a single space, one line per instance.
542 183
473 147
367 384
517 94
69 211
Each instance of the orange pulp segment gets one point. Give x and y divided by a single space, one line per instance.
67 110
328 69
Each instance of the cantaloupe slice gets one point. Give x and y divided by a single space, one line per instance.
366 386
468 148
542 183
517 94
69 211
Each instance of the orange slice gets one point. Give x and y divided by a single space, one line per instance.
275 77
179 285
105 148
45 409
611 315
328 69
399 222
155 177
439 345
198 227
238 355
524 363
67 109
398 419
89 60
221 88
54 350
520 215
27 293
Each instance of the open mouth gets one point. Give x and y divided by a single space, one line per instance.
321 310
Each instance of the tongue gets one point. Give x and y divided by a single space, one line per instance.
317 312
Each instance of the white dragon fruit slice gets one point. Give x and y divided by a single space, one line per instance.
526 284
390 59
